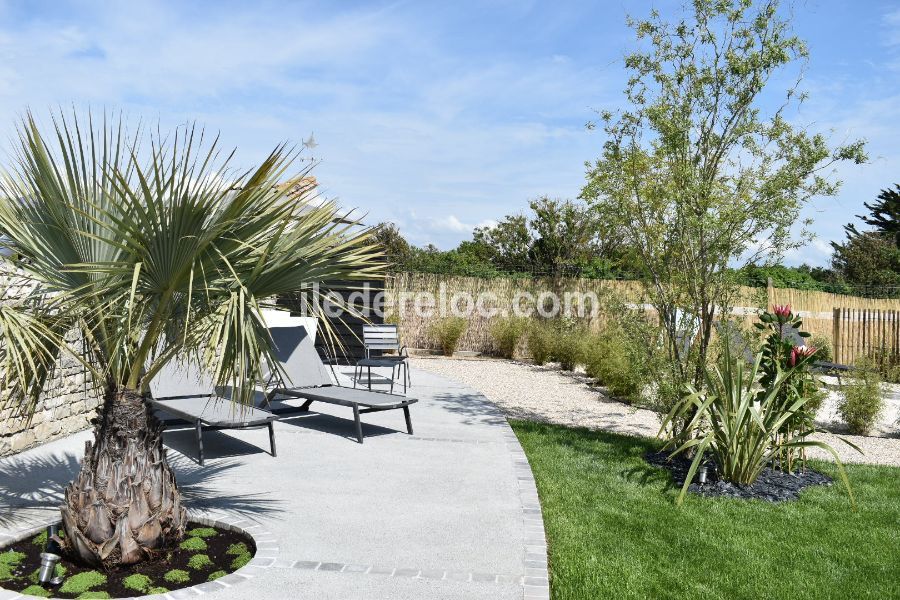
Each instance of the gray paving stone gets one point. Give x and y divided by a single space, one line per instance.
406 572
211 586
331 566
253 571
381 571
233 579
484 577
356 568
306 564
431 574
283 564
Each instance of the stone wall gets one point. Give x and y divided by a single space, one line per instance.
67 405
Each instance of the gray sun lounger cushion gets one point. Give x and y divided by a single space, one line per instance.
306 377
183 391
348 396
214 412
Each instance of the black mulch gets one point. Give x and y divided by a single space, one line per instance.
170 558
772 485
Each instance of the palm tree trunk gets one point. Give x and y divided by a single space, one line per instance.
124 504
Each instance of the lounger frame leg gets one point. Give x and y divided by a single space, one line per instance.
370 378
393 376
408 420
357 371
405 376
272 438
199 430
359 434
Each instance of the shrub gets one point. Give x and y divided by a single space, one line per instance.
540 342
861 402
203 532
610 359
83 582
157 590
739 424
823 346
96 595
193 543
237 549
199 562
40 540
240 560
566 343
780 356
507 332
447 332
8 560
11 557
177 576
137 582
215 575
36 590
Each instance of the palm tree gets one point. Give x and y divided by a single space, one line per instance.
149 253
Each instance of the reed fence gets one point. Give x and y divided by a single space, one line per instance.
849 332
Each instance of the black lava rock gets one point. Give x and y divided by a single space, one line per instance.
772 485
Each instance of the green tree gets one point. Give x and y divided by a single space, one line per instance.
396 249
698 172
883 215
507 243
872 258
557 237
565 234
152 254
868 259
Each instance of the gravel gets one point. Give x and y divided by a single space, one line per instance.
544 393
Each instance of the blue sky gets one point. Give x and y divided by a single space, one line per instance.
438 116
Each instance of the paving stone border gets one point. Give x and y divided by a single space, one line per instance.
536 582
267 552
394 571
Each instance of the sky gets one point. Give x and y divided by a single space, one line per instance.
437 116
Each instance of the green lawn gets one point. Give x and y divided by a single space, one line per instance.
614 532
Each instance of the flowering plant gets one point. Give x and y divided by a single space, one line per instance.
784 350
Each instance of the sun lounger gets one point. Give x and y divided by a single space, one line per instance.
183 392
307 378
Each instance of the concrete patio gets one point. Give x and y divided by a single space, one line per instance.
450 512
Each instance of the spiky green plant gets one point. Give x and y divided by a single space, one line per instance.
740 424
152 248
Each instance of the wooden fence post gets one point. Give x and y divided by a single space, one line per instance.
836 333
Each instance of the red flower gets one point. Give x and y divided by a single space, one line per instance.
782 310
798 353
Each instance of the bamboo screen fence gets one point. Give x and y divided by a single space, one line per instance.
874 333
